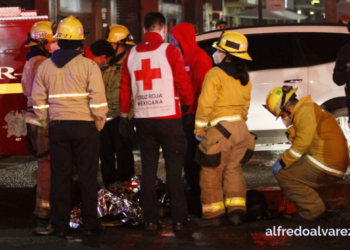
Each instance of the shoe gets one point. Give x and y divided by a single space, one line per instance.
153 226
179 226
236 217
212 222
294 217
100 229
43 228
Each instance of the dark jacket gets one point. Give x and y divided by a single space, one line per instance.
340 72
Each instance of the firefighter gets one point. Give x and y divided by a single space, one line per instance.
220 125
154 73
197 64
341 72
115 146
69 89
318 157
42 44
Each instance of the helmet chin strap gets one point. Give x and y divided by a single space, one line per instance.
285 90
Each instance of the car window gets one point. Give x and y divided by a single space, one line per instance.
274 51
268 51
320 48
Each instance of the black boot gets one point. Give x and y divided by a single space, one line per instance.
212 222
236 217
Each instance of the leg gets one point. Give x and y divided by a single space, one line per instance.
191 168
149 147
299 181
107 151
235 189
42 207
173 142
40 144
125 157
61 171
86 148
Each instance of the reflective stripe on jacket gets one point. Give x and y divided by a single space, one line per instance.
73 92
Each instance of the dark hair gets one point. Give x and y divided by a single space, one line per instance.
101 47
349 26
69 44
241 67
220 22
154 21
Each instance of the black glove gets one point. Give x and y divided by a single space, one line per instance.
184 108
123 126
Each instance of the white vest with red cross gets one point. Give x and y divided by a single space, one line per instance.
152 83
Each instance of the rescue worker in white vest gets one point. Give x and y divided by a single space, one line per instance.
318 157
154 74
220 125
69 89
115 147
42 44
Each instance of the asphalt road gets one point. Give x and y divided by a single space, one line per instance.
16 221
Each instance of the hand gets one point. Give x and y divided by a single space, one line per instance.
199 132
276 167
123 126
100 123
184 108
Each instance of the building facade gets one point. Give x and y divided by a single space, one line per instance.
97 15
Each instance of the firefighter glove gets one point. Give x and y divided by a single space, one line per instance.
123 126
276 167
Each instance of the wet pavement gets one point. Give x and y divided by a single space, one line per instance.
16 220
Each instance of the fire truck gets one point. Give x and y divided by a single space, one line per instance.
15 24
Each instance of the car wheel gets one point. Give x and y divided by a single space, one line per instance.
341 115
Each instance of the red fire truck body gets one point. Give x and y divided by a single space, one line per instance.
14 26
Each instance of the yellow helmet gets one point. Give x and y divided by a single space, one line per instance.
120 33
234 43
41 32
277 98
70 28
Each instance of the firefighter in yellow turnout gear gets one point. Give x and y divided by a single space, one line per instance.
221 127
318 157
41 42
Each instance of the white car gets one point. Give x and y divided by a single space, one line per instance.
302 56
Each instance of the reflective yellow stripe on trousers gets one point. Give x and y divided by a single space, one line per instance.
213 207
233 118
235 202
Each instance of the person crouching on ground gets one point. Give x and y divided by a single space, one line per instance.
319 154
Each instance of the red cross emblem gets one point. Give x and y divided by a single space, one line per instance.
146 74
